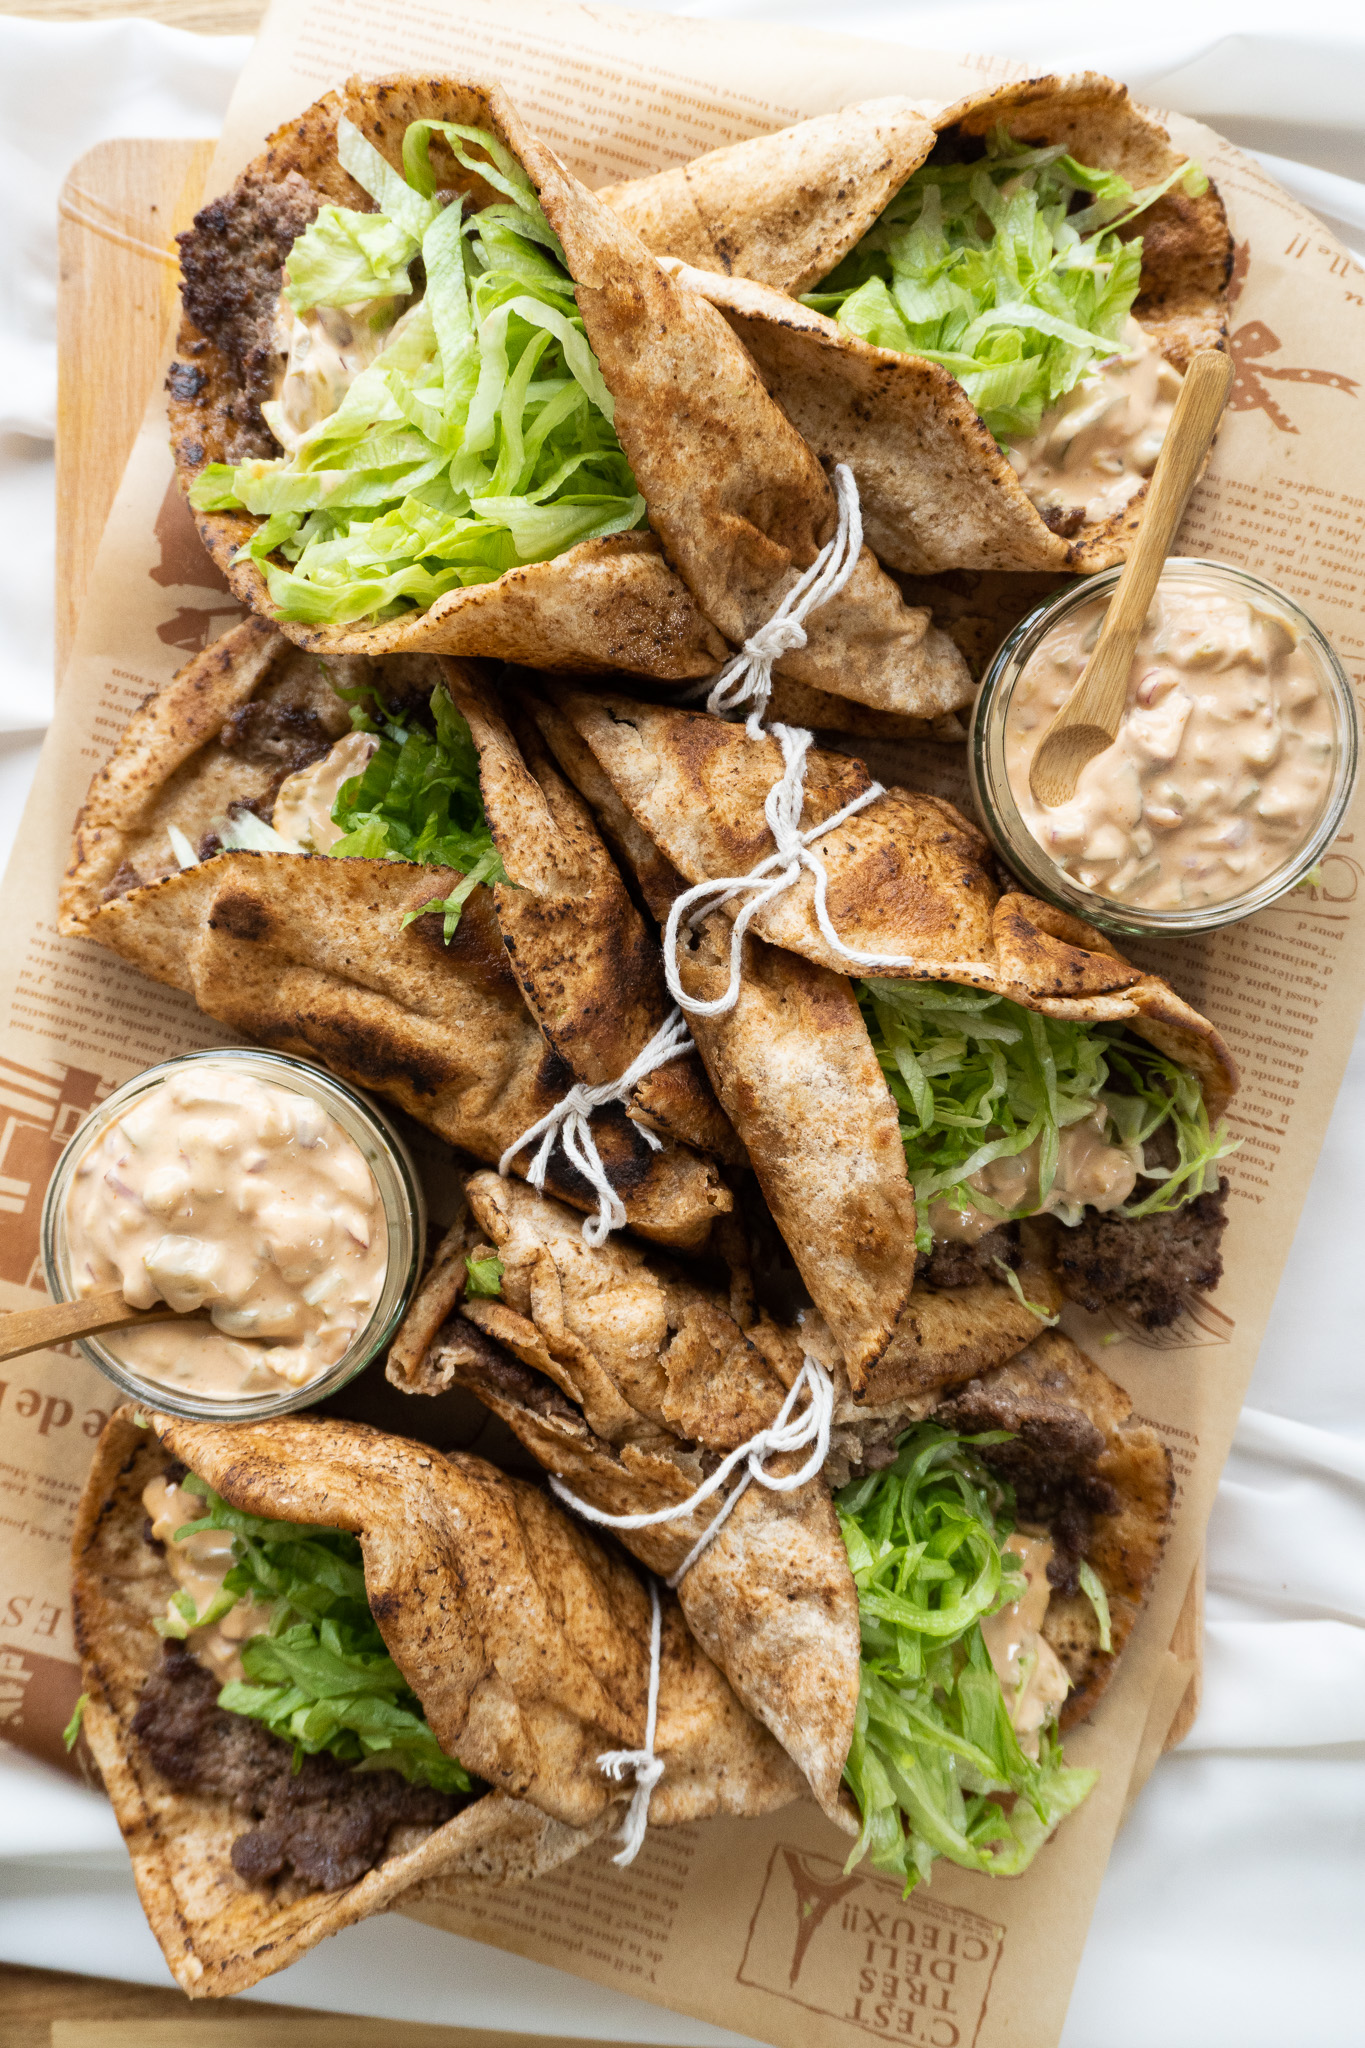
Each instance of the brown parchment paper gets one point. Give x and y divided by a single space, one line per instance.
752 1925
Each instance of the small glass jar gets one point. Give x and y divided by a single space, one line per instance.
400 1193
1006 827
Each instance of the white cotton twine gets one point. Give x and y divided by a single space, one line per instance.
647 1767
746 680
812 1426
785 1433
568 1121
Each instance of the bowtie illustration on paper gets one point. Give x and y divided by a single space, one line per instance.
1251 342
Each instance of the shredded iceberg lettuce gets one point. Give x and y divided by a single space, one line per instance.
479 439
934 1754
419 800
999 271
321 1676
976 1077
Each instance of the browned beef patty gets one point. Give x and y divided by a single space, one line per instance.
231 262
1050 1462
1144 1265
325 1823
965 1265
279 736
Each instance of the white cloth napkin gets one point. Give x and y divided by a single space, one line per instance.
1228 1910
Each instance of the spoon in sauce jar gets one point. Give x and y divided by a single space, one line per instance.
33 1329
1089 720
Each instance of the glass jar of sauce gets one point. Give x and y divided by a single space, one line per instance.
262 1193
1232 770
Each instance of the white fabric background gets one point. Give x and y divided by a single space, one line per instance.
1229 1913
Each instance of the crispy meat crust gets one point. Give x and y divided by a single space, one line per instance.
1144 1266
323 1825
230 267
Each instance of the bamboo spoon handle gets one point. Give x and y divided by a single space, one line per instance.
1089 720
32 1329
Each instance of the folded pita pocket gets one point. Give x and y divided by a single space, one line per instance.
611 1371
792 1062
626 1368
738 502
937 491
527 1646
310 954
583 959
624 1376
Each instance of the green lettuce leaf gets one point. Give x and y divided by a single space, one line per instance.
935 1766
485 1276
346 259
988 269
479 439
976 1077
321 1678
419 800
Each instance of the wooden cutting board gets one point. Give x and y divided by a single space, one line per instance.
121 209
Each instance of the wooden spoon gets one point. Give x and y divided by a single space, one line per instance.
32 1329
1088 722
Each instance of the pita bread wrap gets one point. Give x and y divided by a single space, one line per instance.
792 1063
599 1338
311 955
582 956
645 1373
738 504
527 1646
938 492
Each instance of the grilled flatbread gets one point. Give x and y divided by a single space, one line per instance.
738 502
937 491
582 956
627 1369
526 1644
311 955
613 1370
792 1063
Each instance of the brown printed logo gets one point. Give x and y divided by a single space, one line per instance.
40 1106
37 1698
1250 344
183 562
850 1947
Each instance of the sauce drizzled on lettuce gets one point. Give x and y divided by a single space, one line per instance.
480 437
1010 271
320 1678
976 1077
935 1765
417 800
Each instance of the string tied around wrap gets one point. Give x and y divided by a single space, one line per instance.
787 1433
782 807
569 1122
645 1766
746 681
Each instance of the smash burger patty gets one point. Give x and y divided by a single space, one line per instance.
232 264
323 1824
1142 1265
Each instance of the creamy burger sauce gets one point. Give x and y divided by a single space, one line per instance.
321 353
303 808
1096 447
1032 1675
199 1564
1224 758
219 1190
1091 1174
